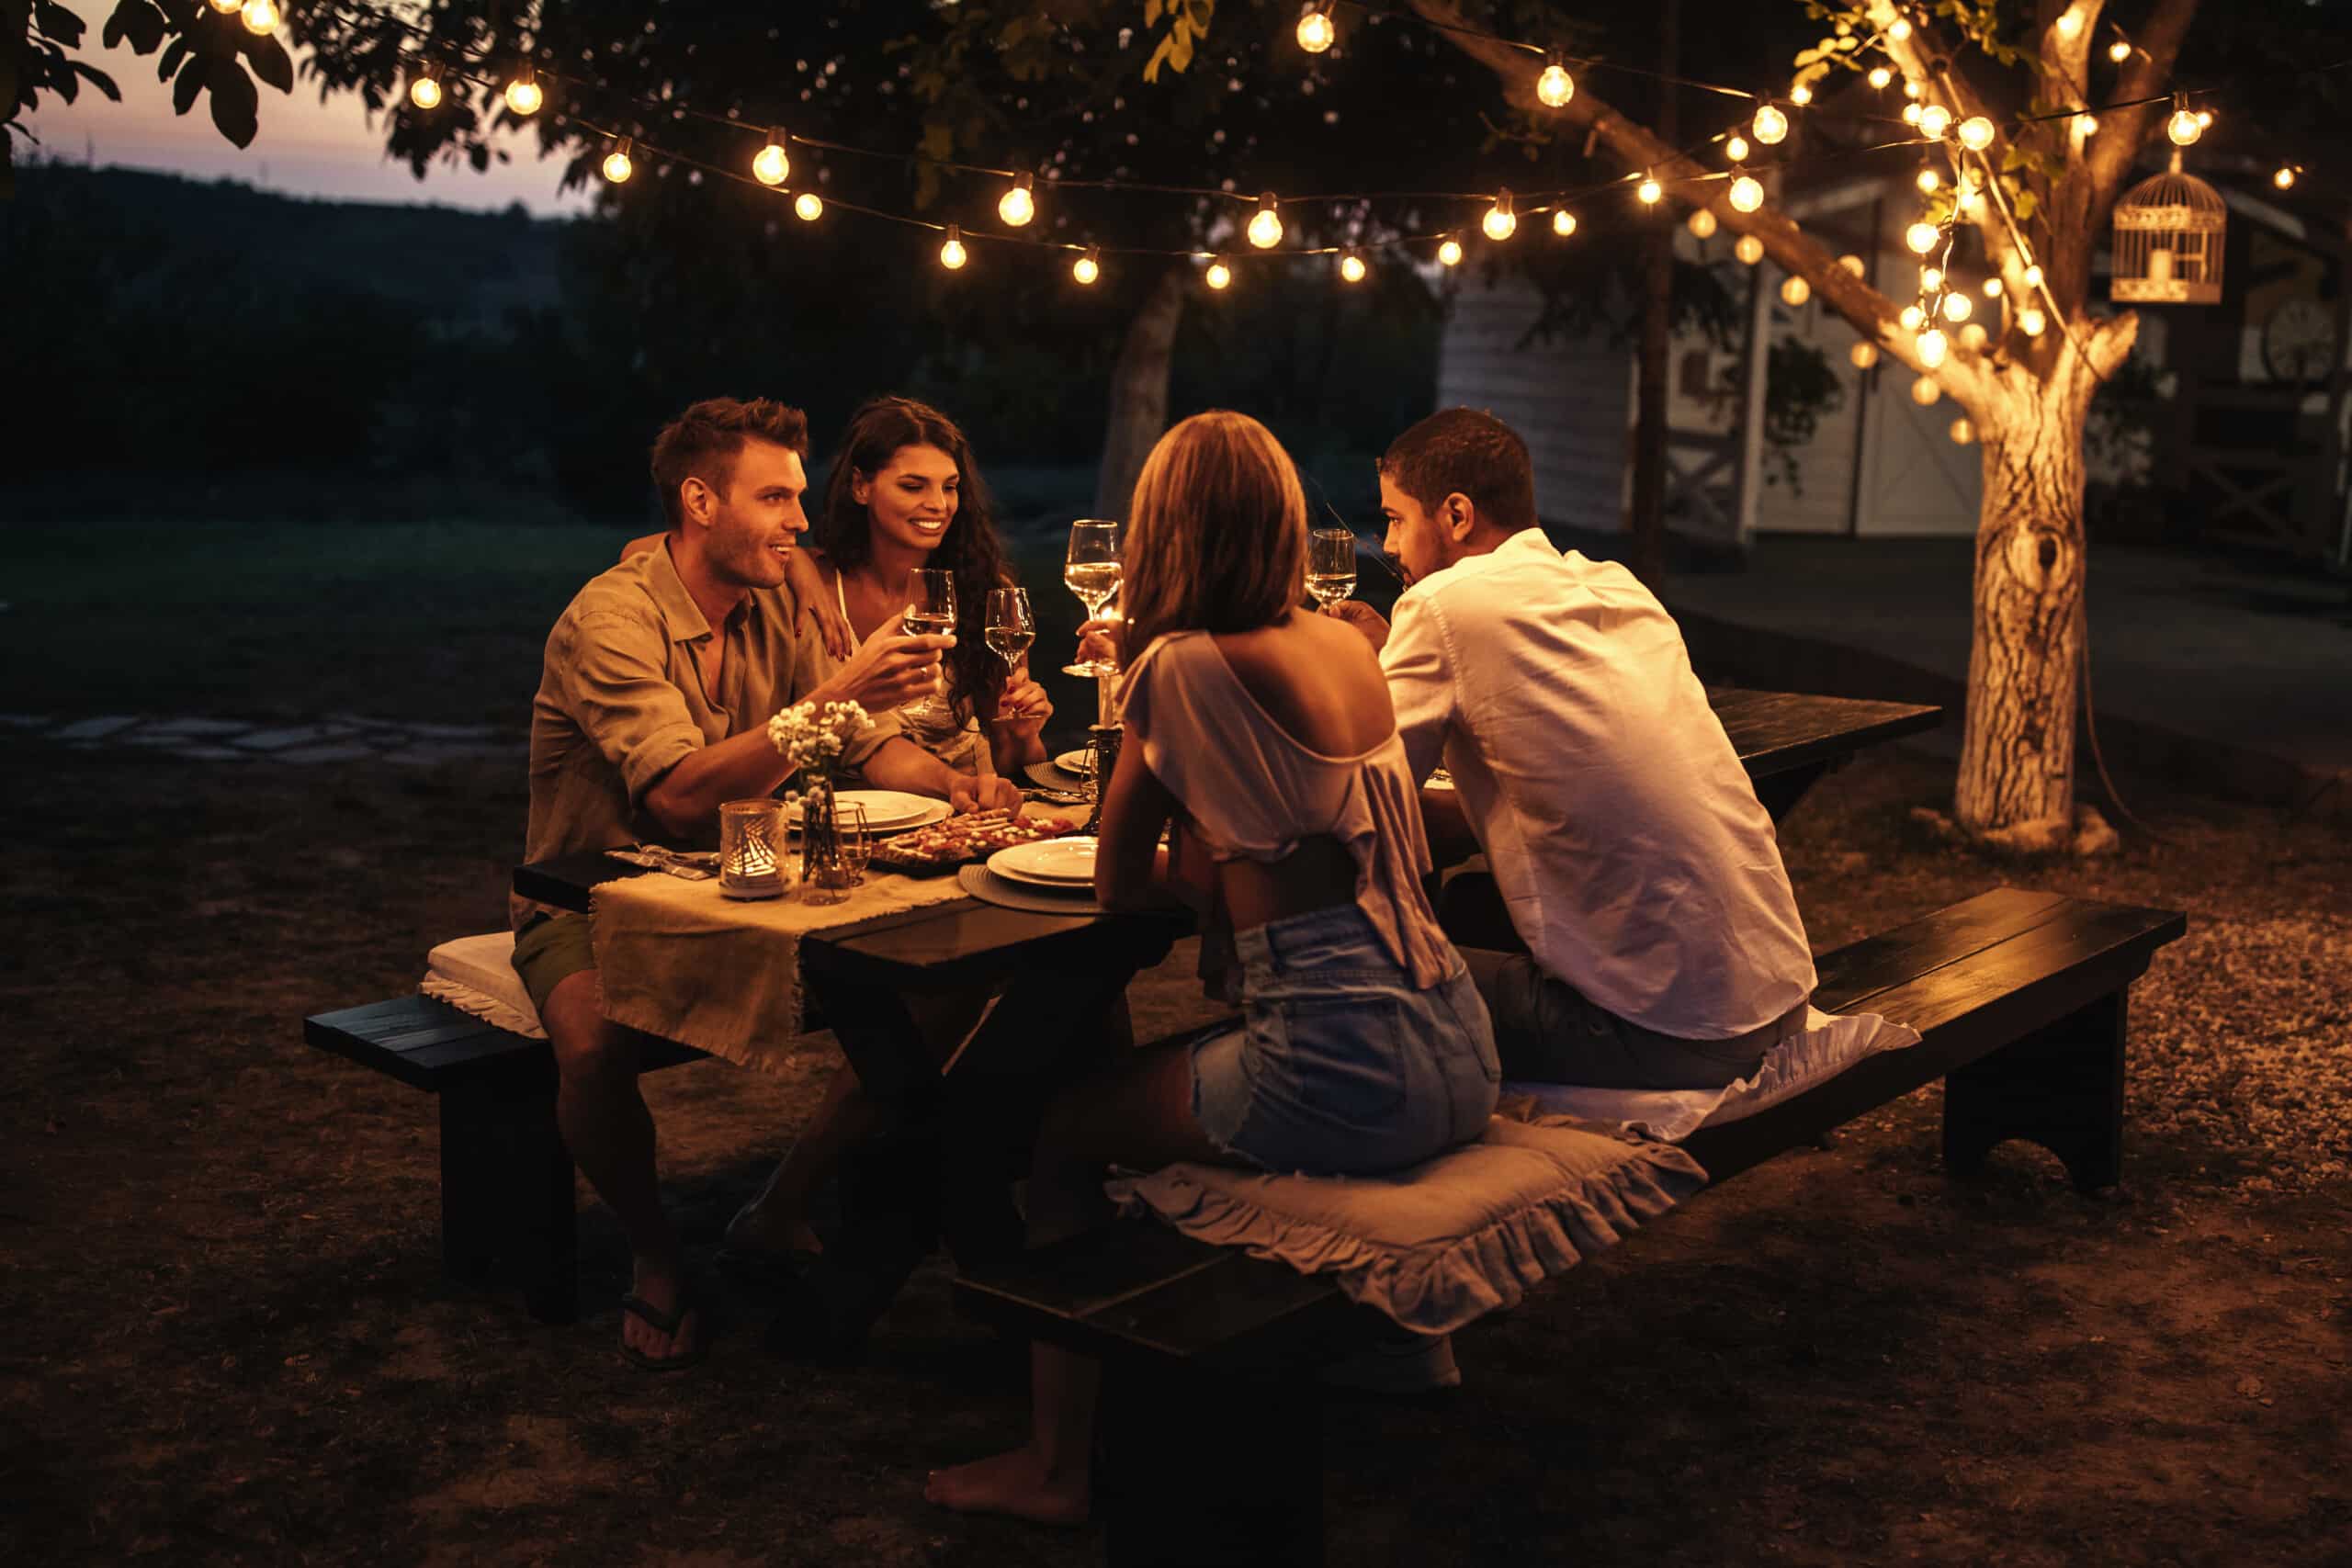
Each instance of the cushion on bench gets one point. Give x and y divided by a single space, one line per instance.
1441 1243
475 975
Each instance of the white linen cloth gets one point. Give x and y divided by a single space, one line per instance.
1623 835
475 975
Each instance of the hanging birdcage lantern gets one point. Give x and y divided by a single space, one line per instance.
2168 234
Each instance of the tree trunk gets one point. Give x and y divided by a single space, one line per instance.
1140 391
2017 763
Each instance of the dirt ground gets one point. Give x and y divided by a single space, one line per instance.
228 1342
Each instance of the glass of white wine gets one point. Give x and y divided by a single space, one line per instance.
931 612
1012 627
1331 565
1092 571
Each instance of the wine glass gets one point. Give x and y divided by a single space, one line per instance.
856 839
1331 565
1012 627
931 612
1092 571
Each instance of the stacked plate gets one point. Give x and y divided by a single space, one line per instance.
1072 762
886 810
1061 865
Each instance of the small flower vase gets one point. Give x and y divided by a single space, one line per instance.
824 877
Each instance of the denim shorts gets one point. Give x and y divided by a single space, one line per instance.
1341 1066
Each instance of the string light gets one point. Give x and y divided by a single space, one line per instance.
1852 264
1218 275
1992 289
1650 191
1019 203
1911 88
1770 124
1747 194
1933 345
1736 149
1800 95
1564 223
2086 123
1972 336
1863 354
260 16
773 164
1881 76
1555 86
1795 291
1898 30
1449 252
1956 308
2183 127
1702 223
1929 180
425 91
1912 318
1934 120
2033 275
1924 391
951 251
1931 279
1910 114
809 207
1749 249
2031 322
2285 178
1976 133
1500 223
1922 237
1351 268
228 7
1266 228
1962 431
2204 119
523 94
2070 22
617 167
1316 31
2119 51
1088 268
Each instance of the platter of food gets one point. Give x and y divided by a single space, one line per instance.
941 847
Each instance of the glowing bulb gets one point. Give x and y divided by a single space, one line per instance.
2031 322
1749 249
950 253
2119 51
1911 317
1500 223
2285 178
1911 88
1736 149
1219 275
1088 268
1800 95
1564 223
1924 391
1852 264
2086 124
425 91
1976 133
2070 22
1880 76
809 207
260 16
1316 32
1972 336
1351 268
1771 124
1992 289
228 7
523 94
1019 203
1934 120
1650 191
1931 279
1747 194
773 164
2204 119
1956 308
1930 180
1898 30
1702 223
2183 127
1962 431
1910 114
1863 354
1795 291
1266 226
1555 86
1933 345
2033 275
1449 253
617 167
1922 237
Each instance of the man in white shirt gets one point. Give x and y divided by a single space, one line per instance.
1660 946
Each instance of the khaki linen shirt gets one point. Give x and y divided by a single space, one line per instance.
621 699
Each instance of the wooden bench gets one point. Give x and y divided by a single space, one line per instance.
1211 1422
506 1191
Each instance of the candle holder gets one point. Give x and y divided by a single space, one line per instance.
751 849
824 877
1102 761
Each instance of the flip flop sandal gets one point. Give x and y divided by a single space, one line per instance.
667 1323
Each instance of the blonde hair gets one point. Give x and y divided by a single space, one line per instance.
1216 536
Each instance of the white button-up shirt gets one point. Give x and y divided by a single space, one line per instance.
1625 836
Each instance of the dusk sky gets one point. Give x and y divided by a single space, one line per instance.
305 148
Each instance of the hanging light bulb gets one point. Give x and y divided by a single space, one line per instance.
1702 223
1962 431
1898 30
1972 336
1933 345
1852 264
809 207
228 7
1976 133
425 91
1922 237
1911 88
1863 354
1770 124
1795 291
2033 275
2070 22
1924 391
1218 275
1956 308
951 251
2031 322
2183 127
1555 86
1266 226
1912 318
1351 268
617 167
1747 194
260 16
2204 119
523 94
1930 180
1564 223
773 164
1736 149
2119 51
1500 223
1910 114
2086 124
1992 289
2285 178
1881 76
1449 252
1650 191
1088 266
1749 249
1931 279
1800 95
1316 31
1019 203
1934 120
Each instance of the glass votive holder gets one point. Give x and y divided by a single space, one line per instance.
752 849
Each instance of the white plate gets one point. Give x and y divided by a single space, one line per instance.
1072 761
884 807
1066 864
940 811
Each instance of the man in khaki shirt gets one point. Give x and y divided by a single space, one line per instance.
652 708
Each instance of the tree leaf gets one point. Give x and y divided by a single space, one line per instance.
97 78
271 63
236 106
1150 13
175 52
189 82
137 21
2025 205
59 23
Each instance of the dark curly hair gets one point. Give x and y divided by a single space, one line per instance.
970 547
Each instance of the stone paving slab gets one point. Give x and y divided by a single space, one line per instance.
344 738
96 729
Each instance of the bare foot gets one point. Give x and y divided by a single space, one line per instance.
658 1286
1015 1482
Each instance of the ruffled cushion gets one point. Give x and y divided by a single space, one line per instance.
475 975
1443 1243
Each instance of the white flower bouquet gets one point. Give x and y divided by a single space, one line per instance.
813 739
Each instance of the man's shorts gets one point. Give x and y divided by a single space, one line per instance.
549 950
1548 1032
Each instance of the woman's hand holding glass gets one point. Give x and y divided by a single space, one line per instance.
1092 571
931 612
